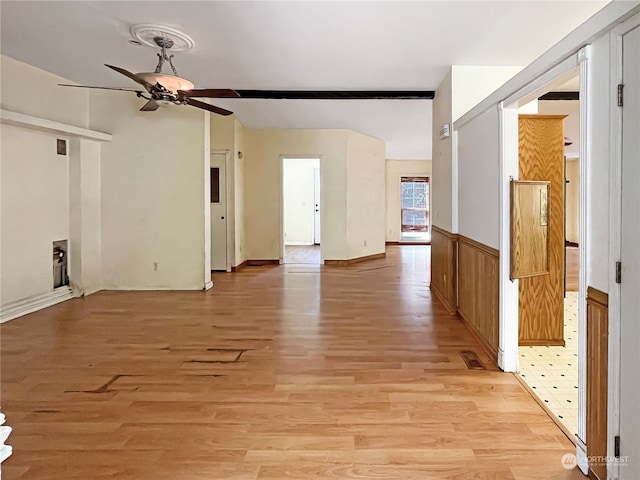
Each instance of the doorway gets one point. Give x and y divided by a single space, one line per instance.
218 179
548 305
301 210
576 69
414 209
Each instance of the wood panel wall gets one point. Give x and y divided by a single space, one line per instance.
541 157
478 290
597 378
443 267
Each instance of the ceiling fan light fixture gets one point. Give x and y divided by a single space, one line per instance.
170 82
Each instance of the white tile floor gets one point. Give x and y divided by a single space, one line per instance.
552 372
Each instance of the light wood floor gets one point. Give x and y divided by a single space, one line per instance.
279 372
302 254
573 268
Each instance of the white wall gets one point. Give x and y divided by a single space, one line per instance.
571 123
395 169
442 185
365 196
35 211
263 150
298 200
478 179
471 84
153 193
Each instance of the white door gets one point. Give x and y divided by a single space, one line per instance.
218 212
316 206
630 286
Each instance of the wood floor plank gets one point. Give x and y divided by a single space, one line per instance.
278 372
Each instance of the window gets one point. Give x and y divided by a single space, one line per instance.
215 185
415 204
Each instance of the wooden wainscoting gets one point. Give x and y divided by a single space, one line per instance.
478 290
597 368
443 267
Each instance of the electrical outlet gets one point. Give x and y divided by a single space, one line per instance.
155 266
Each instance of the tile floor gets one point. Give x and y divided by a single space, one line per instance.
552 372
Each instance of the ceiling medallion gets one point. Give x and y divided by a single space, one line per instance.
146 33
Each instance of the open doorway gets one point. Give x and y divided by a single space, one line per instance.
549 353
414 205
548 305
301 210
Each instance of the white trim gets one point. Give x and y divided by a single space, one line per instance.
531 91
454 184
8 117
113 288
91 291
598 25
509 301
208 285
615 243
34 303
581 457
586 105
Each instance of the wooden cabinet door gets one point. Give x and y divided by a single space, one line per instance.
541 298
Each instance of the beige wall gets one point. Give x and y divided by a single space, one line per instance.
153 193
263 152
29 90
442 186
239 192
365 196
573 201
45 196
394 170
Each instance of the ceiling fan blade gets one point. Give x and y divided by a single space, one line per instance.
150 106
133 77
206 106
101 88
209 93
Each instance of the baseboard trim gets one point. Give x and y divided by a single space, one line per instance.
34 303
91 291
436 293
208 285
260 263
240 266
493 355
351 261
583 460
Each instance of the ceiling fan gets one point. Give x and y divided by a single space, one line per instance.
165 89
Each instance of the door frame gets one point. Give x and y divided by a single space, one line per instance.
615 241
509 302
281 200
229 208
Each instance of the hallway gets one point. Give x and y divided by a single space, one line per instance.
277 372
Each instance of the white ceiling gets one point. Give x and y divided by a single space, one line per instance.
298 45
